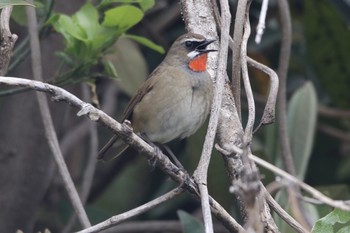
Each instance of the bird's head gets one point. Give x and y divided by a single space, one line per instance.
191 50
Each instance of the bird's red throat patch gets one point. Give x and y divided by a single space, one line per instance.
199 63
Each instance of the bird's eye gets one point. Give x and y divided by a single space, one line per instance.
189 44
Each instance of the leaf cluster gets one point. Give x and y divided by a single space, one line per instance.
90 33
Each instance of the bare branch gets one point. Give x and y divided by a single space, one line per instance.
134 212
125 132
334 132
236 47
269 111
7 39
261 25
201 172
344 205
282 125
90 168
283 214
50 132
248 131
333 112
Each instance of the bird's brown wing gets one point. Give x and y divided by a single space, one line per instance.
146 87
121 146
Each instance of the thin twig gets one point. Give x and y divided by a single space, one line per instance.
248 130
47 120
90 168
283 214
161 161
344 205
240 19
261 25
333 112
201 172
334 132
282 126
155 226
269 110
134 212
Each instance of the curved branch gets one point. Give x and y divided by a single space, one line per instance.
49 128
125 132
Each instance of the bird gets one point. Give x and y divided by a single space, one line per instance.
176 98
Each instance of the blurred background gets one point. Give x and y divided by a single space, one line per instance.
32 197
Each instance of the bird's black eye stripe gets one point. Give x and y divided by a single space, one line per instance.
191 45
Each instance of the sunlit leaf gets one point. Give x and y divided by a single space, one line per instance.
146 4
123 17
325 224
87 19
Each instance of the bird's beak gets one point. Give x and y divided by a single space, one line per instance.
202 48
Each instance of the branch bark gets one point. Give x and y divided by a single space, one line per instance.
287 157
50 132
124 131
7 39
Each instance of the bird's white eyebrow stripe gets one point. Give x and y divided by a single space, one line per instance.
191 39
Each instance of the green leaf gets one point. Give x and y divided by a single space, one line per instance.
325 224
146 42
87 19
190 224
110 69
146 4
4 3
302 114
345 229
65 57
123 17
125 59
97 37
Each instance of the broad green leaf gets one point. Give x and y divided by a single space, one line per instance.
123 17
146 42
69 28
87 19
325 224
146 4
345 229
106 2
4 3
125 59
189 224
302 114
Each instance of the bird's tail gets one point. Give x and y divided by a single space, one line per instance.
116 142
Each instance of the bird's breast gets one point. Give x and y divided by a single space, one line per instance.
175 108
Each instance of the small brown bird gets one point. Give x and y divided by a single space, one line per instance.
175 100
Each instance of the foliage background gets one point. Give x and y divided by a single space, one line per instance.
32 196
